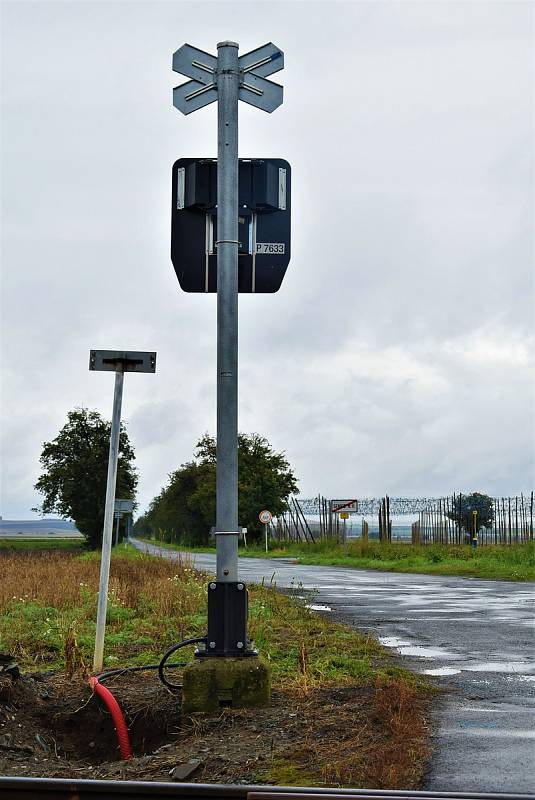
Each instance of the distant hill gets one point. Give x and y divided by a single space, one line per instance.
38 527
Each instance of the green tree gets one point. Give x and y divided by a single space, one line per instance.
185 510
175 514
464 507
75 468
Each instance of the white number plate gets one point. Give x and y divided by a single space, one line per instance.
270 248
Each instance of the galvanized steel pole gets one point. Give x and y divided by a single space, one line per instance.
108 519
227 312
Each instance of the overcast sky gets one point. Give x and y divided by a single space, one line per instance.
397 356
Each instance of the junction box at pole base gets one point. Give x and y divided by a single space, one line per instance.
227 620
212 683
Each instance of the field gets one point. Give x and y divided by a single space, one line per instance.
515 563
32 544
326 678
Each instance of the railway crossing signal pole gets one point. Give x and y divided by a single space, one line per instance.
227 313
227 78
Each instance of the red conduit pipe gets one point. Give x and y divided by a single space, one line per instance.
117 716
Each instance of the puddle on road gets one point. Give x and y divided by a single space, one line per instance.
516 669
503 708
426 652
487 732
393 641
441 671
451 609
406 648
521 667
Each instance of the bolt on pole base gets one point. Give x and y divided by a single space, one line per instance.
213 683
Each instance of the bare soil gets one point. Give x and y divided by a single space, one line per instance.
51 726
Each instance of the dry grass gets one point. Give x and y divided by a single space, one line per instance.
405 743
48 601
59 579
364 736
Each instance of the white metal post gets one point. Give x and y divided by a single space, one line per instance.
108 519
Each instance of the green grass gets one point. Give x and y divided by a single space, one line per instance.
29 545
48 600
515 563
123 549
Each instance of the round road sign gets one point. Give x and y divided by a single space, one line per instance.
265 516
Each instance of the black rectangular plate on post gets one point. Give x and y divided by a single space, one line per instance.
264 195
227 619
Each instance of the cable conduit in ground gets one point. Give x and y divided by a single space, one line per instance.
117 716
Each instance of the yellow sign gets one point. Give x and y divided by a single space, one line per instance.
344 515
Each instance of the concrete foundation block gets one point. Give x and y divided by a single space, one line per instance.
215 682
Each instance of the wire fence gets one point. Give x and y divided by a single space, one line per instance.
455 519
510 522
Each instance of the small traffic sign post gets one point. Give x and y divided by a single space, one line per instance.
122 508
118 361
117 523
226 78
344 508
265 518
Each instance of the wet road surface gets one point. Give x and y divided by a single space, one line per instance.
475 636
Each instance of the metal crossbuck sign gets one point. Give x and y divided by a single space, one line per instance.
202 68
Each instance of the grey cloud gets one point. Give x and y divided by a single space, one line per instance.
402 330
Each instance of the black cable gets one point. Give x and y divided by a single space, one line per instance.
103 676
169 653
122 670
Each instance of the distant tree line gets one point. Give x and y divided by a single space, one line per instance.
185 510
74 475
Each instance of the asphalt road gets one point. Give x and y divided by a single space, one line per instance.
475 636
